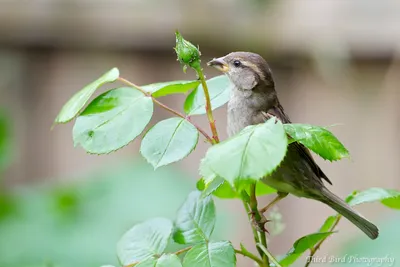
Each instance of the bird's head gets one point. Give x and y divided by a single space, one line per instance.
246 70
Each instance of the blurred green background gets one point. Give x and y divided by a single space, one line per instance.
333 62
80 224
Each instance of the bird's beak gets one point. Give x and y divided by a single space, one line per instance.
219 64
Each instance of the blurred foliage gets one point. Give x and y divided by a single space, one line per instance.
78 225
5 142
302 245
387 245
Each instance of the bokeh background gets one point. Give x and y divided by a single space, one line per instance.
335 62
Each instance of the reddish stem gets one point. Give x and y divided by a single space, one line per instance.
208 106
177 113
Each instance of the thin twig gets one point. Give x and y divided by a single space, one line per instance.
318 245
132 264
250 255
183 250
278 198
208 105
177 113
265 250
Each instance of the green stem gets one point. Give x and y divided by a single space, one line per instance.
258 236
208 105
250 256
257 216
177 113
265 250
255 234
318 245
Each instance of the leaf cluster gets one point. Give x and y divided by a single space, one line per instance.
232 168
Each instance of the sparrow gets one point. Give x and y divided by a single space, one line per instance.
254 100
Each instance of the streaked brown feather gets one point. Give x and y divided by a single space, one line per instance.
278 112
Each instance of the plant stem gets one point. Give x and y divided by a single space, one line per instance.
208 105
318 245
250 255
258 236
177 113
257 216
255 234
183 250
237 251
265 250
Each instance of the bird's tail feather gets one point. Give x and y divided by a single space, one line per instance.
353 216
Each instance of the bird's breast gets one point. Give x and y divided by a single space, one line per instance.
239 115
244 109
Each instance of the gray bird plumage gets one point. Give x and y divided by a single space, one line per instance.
253 101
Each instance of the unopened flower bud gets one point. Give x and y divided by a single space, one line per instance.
188 54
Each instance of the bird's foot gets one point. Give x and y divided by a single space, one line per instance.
259 224
279 197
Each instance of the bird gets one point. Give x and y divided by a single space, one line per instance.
254 100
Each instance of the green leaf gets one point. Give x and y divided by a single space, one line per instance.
388 197
351 196
250 155
168 88
109 201
212 254
169 141
222 189
329 222
150 262
263 189
166 260
169 260
218 187
244 249
302 245
78 101
393 203
195 220
112 120
318 139
144 240
219 89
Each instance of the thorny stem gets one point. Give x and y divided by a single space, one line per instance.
255 234
209 139
318 245
208 105
254 210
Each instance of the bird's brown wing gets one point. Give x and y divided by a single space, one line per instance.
279 113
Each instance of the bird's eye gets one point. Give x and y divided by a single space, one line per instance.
237 63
